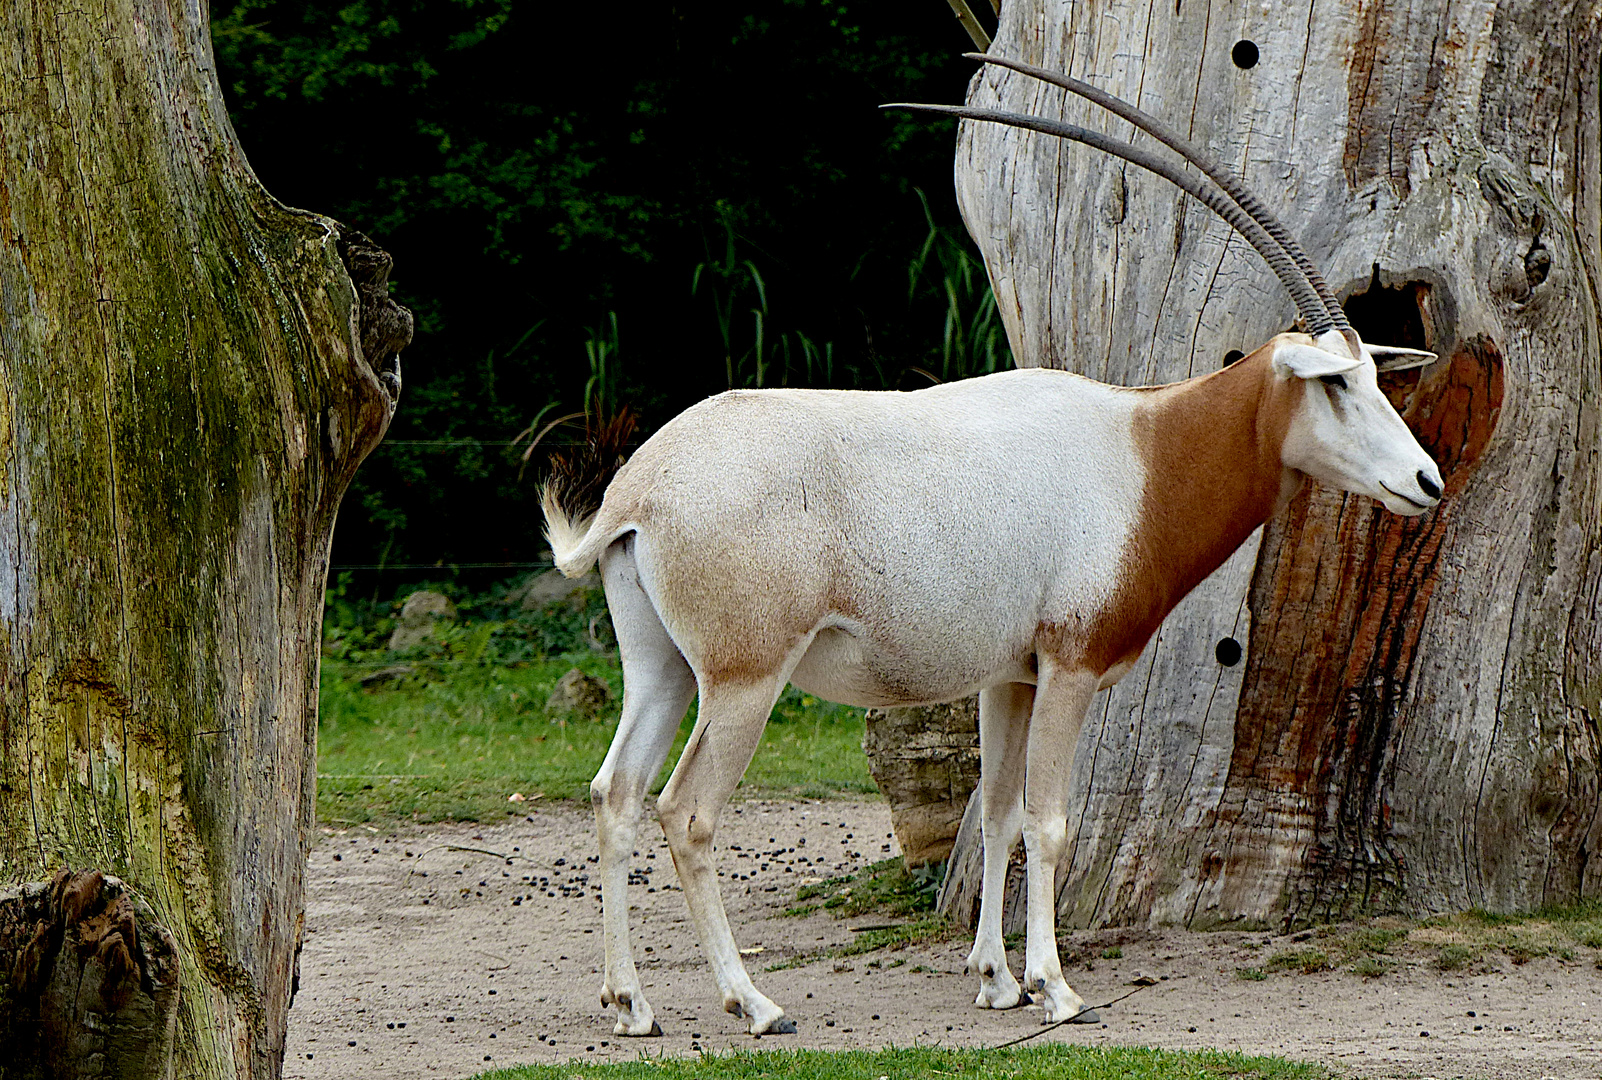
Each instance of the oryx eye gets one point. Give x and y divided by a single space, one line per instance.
1338 381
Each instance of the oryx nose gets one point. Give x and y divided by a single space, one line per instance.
1431 488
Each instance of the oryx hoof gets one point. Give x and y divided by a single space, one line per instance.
655 1032
784 1026
1089 1016
1024 999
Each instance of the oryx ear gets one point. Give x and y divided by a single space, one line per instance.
1295 360
1395 358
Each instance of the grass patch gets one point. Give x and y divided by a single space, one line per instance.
1114 953
1372 967
1050 1062
465 725
1307 961
1251 974
1469 940
1455 957
456 746
882 888
886 887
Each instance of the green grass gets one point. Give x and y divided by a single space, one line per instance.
1049 1062
1372 967
453 742
1307 961
885 886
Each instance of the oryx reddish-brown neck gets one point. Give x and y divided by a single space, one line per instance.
1211 447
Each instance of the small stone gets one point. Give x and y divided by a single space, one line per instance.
417 616
580 695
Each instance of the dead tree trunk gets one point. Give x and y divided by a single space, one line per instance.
1415 723
190 374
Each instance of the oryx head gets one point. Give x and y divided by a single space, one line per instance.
1346 432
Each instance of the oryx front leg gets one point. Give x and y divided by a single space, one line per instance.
727 730
657 687
1061 700
1003 732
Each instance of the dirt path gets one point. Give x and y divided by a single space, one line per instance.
423 960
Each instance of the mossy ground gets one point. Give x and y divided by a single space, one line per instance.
1473 941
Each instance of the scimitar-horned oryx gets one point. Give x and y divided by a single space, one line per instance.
1019 535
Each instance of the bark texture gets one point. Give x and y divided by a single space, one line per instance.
190 374
92 988
1415 723
926 762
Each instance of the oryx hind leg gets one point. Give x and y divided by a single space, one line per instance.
1003 732
728 726
657 687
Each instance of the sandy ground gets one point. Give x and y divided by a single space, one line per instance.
425 960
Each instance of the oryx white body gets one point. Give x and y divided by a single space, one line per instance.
1020 535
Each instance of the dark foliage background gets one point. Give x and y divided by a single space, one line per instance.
645 204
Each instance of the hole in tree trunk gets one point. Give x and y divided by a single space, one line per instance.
1231 356
1390 314
1395 314
1244 54
1228 652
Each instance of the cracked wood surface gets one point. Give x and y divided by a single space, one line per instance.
184 398
1415 725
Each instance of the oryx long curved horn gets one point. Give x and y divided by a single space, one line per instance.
1216 171
1311 307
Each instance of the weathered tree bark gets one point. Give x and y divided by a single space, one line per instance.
1415 725
190 374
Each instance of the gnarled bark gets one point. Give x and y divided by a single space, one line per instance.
190 374
92 985
1415 725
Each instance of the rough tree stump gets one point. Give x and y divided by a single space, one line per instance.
92 987
1414 727
925 761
